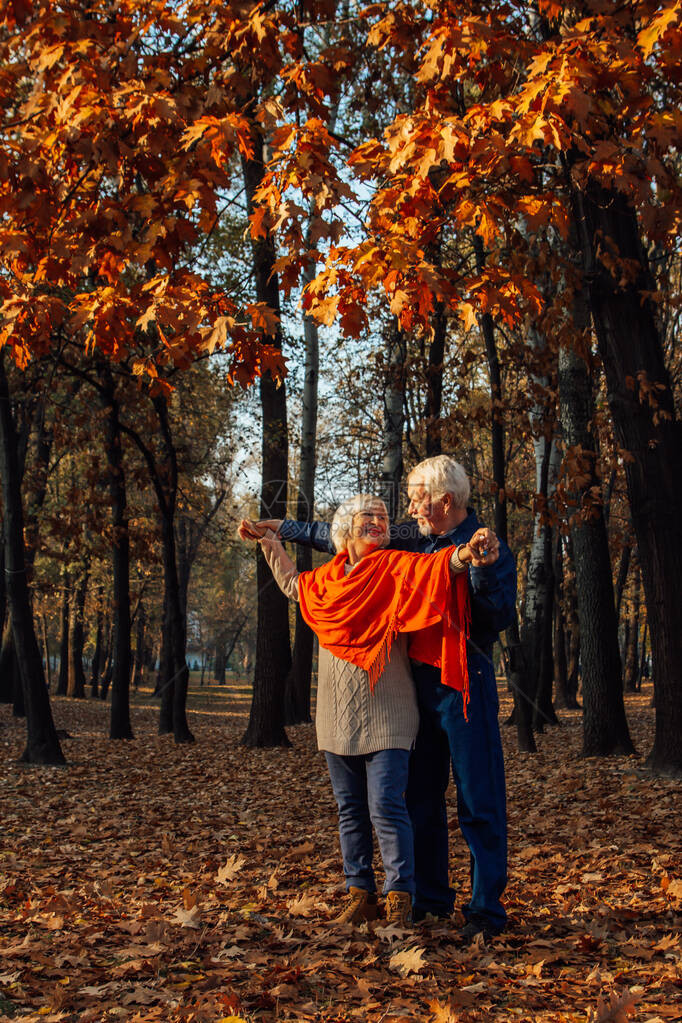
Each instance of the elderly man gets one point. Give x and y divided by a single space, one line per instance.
438 490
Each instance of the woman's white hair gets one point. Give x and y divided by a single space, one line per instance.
342 523
442 475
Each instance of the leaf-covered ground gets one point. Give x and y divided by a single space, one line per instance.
151 882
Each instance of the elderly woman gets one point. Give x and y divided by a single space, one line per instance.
362 605
366 735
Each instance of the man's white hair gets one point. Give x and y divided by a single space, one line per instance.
442 475
342 523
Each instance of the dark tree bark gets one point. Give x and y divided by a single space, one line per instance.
632 652
297 689
233 641
108 665
394 420
7 661
273 650
219 665
19 703
572 624
518 676
559 649
46 652
643 658
646 426
434 382
76 673
138 662
173 678
605 727
536 629
622 576
189 534
97 654
34 502
175 631
119 725
63 673
559 637
42 746
544 712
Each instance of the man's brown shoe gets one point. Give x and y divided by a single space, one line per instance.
362 906
399 909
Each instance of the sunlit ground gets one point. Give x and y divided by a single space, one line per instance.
149 881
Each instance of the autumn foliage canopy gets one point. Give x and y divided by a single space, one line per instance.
124 124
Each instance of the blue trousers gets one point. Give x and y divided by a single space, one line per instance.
370 790
473 750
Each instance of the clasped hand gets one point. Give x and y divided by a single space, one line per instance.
482 549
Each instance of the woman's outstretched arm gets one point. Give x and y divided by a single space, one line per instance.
281 565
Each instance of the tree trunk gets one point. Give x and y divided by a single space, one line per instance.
297 692
543 712
119 725
138 664
219 666
518 677
165 681
177 632
273 651
7 661
538 587
6 674
632 652
642 659
394 419
42 746
559 640
567 690
646 426
176 684
163 674
108 665
434 382
76 683
46 652
536 629
11 689
97 655
622 576
605 727
63 673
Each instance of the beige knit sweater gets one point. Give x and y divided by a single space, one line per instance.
350 719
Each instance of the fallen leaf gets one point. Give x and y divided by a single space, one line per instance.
188 917
616 1010
304 905
410 960
231 868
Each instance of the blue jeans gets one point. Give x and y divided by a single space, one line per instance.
370 789
474 751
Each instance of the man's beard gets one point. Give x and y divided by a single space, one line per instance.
424 527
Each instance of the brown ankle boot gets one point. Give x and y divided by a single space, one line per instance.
399 909
362 905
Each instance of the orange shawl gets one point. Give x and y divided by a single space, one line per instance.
356 616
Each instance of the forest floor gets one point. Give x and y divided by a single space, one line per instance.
150 882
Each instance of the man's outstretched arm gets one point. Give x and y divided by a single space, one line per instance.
309 534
